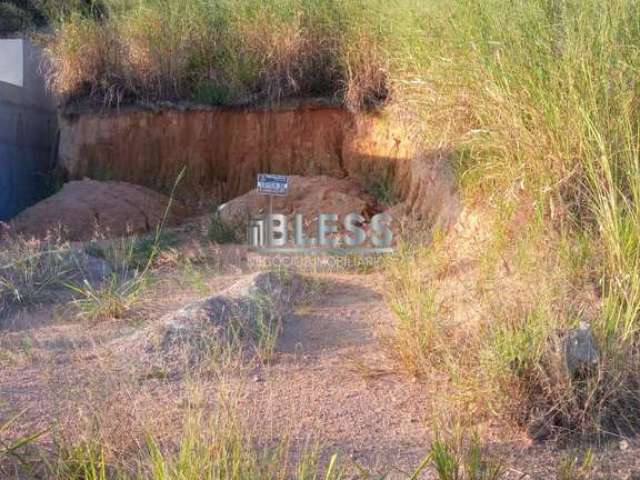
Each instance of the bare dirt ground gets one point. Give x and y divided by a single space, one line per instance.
330 383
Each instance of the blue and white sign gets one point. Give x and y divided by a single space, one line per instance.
270 184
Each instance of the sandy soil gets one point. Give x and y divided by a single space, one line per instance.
330 382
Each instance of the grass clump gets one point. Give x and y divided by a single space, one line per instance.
574 466
129 279
31 269
538 100
379 183
213 445
12 447
417 340
112 299
220 52
222 232
459 458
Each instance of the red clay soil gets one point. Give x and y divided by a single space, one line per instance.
88 208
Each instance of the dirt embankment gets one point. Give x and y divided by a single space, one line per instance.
223 150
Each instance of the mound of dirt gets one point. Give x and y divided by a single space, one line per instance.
308 196
86 208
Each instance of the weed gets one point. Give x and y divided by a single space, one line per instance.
26 345
574 467
253 322
210 446
418 339
115 297
380 184
547 139
85 460
12 448
458 458
217 51
222 232
196 278
267 326
30 269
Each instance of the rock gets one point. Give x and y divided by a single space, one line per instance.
87 208
92 270
233 314
308 196
580 350
540 427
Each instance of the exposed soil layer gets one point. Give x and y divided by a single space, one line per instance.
223 150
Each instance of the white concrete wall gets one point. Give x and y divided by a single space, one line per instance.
11 62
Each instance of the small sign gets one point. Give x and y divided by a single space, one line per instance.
269 184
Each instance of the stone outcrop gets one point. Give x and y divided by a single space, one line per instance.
580 350
231 316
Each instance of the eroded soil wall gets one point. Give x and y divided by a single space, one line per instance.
223 150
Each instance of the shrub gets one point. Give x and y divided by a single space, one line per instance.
13 18
222 232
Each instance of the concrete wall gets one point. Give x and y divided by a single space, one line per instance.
27 133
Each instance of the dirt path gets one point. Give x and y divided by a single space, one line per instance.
330 383
331 378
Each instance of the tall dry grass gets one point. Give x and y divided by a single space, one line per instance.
543 119
218 52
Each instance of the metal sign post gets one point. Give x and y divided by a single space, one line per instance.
273 185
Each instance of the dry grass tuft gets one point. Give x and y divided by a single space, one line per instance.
217 53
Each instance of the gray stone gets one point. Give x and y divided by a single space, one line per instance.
580 350
96 270
233 312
